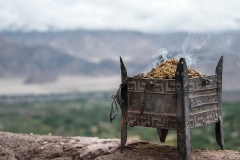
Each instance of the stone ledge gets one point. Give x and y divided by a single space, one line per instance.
24 146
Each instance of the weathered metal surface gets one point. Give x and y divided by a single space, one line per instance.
160 102
153 120
195 84
178 104
124 105
219 124
183 104
162 133
204 118
203 101
160 109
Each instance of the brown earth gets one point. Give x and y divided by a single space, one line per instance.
37 147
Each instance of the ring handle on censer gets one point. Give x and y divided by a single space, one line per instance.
116 100
114 103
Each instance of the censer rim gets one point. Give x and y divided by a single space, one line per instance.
165 79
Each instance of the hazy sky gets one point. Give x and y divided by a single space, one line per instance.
141 15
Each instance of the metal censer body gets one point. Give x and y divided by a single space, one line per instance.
179 104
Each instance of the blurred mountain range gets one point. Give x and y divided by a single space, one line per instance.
43 56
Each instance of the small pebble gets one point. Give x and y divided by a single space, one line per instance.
62 143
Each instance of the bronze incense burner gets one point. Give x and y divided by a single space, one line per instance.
179 104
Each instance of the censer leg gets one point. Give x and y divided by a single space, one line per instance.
182 119
219 133
162 133
124 93
123 133
219 124
183 142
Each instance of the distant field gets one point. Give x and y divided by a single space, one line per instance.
231 96
87 114
75 84
64 84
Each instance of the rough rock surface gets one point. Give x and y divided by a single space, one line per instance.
35 147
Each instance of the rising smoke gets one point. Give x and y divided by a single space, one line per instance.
203 51
189 50
191 46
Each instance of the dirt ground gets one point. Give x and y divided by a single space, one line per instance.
41 147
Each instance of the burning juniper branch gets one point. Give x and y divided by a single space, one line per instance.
167 69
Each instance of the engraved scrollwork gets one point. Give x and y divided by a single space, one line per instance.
202 119
203 100
156 121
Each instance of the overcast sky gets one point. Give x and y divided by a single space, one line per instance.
154 16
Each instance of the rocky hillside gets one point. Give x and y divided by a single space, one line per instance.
41 63
135 46
43 56
29 146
